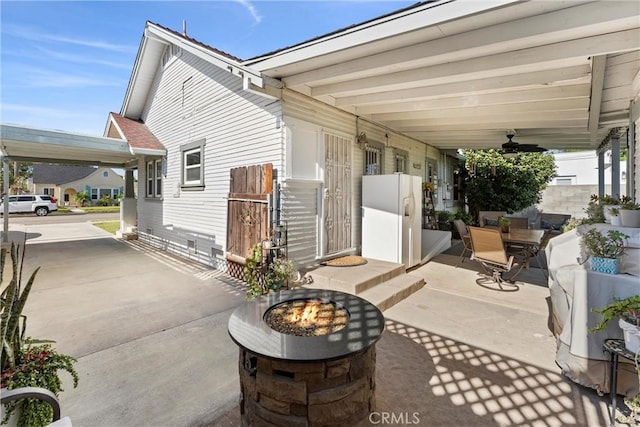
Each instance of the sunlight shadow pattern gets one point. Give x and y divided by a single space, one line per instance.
492 385
199 271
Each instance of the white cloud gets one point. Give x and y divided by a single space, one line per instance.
252 10
82 59
39 77
29 33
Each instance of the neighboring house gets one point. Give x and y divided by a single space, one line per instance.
581 168
64 181
576 180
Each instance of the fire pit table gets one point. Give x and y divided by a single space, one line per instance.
307 357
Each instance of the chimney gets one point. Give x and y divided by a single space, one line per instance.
184 27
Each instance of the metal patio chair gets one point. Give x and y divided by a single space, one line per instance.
489 250
462 229
7 396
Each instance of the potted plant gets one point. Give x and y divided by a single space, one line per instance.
630 214
614 215
445 219
605 250
26 362
504 223
627 311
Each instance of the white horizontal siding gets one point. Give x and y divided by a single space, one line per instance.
240 129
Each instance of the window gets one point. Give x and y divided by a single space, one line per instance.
154 178
94 194
158 189
105 174
193 165
373 158
49 191
149 179
565 180
401 159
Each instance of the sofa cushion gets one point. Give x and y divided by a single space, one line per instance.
489 222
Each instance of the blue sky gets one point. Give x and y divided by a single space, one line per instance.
66 65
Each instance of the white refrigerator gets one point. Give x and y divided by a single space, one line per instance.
391 218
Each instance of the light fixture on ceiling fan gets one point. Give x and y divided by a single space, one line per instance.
511 148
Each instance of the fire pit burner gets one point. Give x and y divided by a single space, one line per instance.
307 317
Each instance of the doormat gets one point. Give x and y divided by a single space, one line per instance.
345 261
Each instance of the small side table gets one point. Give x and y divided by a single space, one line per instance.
615 348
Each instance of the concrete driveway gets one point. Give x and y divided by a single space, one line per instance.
149 330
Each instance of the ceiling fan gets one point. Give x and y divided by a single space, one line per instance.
512 147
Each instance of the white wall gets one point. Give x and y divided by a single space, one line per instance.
582 168
240 129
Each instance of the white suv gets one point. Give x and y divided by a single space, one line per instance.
40 204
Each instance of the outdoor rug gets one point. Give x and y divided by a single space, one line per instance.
345 261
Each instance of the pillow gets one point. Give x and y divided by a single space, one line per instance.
490 222
547 225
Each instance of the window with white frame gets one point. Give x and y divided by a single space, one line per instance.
154 178
49 191
401 160
193 165
373 158
94 194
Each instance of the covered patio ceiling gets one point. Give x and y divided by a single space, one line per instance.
461 74
28 144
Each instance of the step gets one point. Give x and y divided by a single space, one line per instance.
391 292
355 279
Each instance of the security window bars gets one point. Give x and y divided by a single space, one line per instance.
373 159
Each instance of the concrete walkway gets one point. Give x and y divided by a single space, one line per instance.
149 332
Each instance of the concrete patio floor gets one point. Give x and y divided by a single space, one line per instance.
149 332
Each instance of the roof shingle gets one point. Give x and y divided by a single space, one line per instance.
137 133
60 174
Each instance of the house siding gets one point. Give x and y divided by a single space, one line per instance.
302 197
192 100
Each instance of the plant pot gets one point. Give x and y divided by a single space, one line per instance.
504 228
615 220
630 218
605 265
631 334
607 212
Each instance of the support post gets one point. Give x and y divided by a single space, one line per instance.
5 199
615 166
600 174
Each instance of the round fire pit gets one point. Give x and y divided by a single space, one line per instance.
307 357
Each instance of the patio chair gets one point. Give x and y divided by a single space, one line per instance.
7 396
462 229
488 249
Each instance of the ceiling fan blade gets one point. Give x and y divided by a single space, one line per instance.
511 147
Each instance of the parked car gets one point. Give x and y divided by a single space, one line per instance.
40 204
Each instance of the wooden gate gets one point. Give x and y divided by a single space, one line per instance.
247 213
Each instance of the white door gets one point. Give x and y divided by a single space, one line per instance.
336 201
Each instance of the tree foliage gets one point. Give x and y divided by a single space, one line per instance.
19 173
496 183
